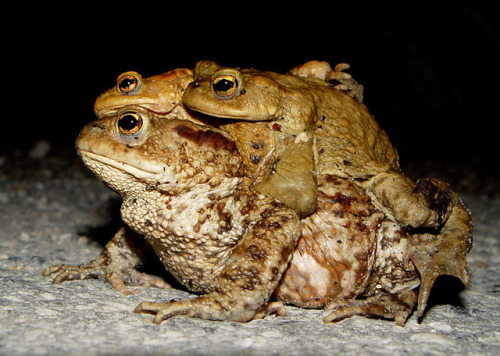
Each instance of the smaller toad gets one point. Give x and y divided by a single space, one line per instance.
284 111
292 127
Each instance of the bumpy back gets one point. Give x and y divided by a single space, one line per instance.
350 143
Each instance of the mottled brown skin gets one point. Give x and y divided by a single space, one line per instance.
179 183
183 194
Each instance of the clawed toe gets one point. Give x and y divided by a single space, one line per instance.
383 305
164 311
71 273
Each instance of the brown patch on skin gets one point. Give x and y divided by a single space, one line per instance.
342 199
266 213
248 277
246 209
265 224
250 206
205 138
257 145
225 218
255 159
286 251
255 253
277 204
284 219
220 207
437 198
331 180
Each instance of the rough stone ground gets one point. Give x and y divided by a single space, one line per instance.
52 211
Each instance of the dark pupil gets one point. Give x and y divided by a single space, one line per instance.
225 85
126 83
128 122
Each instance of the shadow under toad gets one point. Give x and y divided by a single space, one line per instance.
102 234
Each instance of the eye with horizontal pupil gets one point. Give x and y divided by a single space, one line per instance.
129 123
127 84
225 86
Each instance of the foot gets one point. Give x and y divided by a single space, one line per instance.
117 264
384 305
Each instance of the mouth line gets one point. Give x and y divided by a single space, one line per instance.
225 116
122 166
150 106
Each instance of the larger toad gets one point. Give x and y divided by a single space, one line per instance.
183 193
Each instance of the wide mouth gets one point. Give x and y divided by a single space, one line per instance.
119 165
226 115
112 109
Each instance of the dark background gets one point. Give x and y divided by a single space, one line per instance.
430 70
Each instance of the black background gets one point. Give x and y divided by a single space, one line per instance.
430 70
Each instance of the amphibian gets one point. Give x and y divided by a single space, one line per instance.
244 252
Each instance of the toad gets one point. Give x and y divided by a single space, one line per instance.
292 127
246 253
162 94
282 146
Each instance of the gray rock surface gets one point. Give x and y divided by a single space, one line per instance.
48 218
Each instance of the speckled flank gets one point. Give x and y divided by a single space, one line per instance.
334 256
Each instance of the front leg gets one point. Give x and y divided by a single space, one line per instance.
250 275
117 264
294 179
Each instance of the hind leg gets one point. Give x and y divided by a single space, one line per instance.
396 307
442 253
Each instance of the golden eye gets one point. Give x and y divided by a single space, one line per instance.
128 84
129 123
225 86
